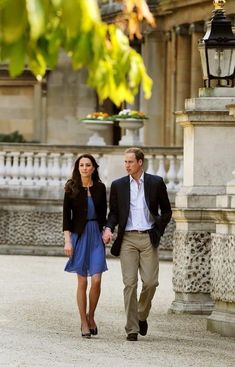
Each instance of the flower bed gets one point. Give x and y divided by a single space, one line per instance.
97 116
130 114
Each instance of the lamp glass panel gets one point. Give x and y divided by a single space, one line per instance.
221 62
203 61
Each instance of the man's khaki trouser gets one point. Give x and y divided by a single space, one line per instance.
137 253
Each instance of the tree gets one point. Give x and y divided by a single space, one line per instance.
32 33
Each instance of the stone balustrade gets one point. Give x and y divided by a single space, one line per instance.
44 165
32 179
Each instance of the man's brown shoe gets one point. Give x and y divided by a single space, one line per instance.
143 325
132 337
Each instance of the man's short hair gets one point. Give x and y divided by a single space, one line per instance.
139 154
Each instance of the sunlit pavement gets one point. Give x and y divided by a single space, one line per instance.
39 323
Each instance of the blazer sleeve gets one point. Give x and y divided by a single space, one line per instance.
163 219
104 206
113 208
67 213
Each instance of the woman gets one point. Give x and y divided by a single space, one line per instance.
84 216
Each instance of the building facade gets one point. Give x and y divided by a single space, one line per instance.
50 112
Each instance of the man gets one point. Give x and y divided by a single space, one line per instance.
135 201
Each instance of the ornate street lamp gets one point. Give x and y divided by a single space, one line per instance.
217 49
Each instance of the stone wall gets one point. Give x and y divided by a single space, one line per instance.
31 222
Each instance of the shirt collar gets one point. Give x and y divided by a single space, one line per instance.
141 179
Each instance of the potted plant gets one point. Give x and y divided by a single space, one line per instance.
97 122
131 121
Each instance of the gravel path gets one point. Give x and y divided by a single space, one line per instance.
39 324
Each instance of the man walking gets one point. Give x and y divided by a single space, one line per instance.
135 201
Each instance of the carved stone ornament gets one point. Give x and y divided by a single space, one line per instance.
191 257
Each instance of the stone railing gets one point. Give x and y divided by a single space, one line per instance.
44 165
32 179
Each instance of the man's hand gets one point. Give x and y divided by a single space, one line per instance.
107 235
68 249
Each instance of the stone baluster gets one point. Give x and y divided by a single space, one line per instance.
29 169
8 167
49 170
161 167
66 167
171 173
22 165
42 169
180 172
36 170
2 168
15 169
55 171
150 168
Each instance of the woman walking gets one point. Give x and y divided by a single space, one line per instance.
84 216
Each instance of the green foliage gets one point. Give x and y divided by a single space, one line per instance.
14 137
32 32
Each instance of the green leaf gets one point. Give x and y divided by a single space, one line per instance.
36 30
17 58
90 8
36 18
57 3
83 52
37 62
72 20
13 19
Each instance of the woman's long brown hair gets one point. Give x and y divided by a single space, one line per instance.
73 184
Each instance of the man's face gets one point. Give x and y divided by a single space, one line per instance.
132 166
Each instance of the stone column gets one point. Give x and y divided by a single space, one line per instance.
153 51
39 111
197 31
169 129
183 59
209 156
222 319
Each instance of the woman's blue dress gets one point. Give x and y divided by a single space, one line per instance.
88 251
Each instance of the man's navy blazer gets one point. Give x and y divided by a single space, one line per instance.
119 203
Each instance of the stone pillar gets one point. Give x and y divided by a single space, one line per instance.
197 31
40 107
222 319
183 59
68 100
153 51
209 156
169 129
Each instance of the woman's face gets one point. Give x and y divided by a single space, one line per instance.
86 168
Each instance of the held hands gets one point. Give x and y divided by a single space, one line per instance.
107 235
68 249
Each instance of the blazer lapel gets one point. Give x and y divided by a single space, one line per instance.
125 194
147 188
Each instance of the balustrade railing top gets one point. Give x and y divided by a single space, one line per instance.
40 165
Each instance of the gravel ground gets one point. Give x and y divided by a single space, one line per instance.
39 323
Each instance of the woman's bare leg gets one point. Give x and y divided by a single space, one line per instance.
94 295
82 302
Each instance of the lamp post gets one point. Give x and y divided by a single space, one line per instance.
217 49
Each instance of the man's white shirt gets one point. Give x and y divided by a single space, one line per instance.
139 216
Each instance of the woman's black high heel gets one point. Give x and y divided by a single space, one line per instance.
86 335
94 331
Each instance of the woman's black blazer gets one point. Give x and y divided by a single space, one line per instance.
75 208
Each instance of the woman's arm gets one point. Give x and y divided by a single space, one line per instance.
68 248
